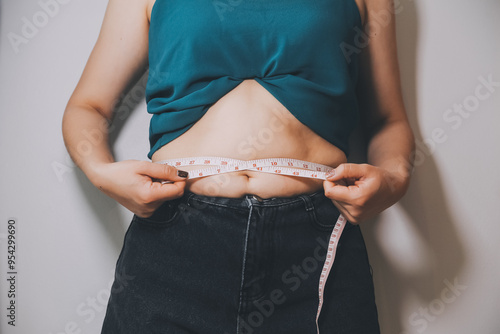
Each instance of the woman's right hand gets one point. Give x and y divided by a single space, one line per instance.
131 184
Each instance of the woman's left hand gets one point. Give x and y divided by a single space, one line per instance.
360 191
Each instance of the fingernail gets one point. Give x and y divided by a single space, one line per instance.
330 173
182 173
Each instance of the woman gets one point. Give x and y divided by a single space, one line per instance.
242 252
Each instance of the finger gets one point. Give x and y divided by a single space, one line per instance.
161 192
161 171
341 193
343 210
348 170
339 205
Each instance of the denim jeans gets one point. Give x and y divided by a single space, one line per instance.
218 265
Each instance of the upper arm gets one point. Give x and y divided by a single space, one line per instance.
379 87
118 58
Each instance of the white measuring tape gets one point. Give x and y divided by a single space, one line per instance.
284 166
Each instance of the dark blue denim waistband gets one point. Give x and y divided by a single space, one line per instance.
244 201
207 264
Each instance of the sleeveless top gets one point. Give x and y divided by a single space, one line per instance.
298 50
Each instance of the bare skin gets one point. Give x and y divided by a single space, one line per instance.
231 128
227 130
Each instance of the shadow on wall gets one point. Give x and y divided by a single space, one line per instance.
426 208
108 211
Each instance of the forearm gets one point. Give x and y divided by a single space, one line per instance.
85 134
390 148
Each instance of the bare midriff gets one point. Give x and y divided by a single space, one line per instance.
250 123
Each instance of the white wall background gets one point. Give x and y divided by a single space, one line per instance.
444 232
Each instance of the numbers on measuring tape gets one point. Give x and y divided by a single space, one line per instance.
223 165
267 165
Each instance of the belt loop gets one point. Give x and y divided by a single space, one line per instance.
307 202
249 201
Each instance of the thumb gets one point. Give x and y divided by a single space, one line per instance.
164 172
346 171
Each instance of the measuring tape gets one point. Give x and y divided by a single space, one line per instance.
283 166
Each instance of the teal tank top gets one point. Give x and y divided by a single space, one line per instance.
199 50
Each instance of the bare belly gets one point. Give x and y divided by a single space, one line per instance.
249 123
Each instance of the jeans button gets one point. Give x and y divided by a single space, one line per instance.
257 198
